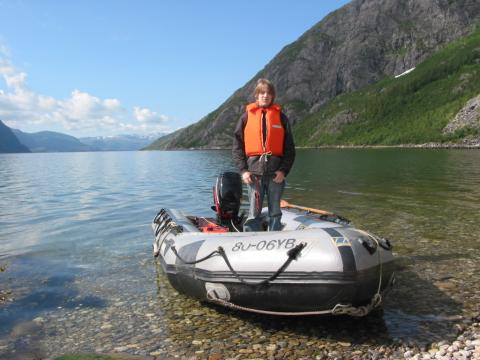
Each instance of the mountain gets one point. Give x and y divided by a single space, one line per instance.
358 45
437 102
119 142
50 141
9 142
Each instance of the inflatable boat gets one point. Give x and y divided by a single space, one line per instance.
317 264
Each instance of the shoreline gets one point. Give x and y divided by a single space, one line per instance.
402 146
466 144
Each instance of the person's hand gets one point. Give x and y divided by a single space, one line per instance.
247 177
279 177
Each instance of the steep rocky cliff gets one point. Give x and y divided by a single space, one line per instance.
357 45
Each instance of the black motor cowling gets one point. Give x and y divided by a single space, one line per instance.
227 194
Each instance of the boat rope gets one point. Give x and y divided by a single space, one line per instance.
213 253
159 216
164 225
338 309
233 225
292 255
168 226
379 261
159 242
377 297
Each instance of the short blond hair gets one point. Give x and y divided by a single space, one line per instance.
264 85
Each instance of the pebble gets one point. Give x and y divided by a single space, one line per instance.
215 357
120 348
245 351
38 320
161 323
271 347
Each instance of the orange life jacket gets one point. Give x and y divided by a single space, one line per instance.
253 135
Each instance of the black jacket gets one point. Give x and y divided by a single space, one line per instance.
263 165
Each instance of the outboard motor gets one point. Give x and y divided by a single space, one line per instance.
227 194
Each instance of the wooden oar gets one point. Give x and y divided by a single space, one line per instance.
286 204
340 219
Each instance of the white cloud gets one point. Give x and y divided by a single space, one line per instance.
145 115
81 112
16 80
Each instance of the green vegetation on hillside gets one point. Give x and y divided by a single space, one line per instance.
411 109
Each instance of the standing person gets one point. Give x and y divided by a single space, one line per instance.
264 152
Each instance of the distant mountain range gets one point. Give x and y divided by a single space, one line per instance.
14 141
119 142
365 43
50 141
9 142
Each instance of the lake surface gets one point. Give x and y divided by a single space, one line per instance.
75 239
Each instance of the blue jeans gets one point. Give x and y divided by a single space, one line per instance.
260 186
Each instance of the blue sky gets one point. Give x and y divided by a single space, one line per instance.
106 67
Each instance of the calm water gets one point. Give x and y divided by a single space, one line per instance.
75 229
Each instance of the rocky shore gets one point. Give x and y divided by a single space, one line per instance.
465 347
166 325
467 143
471 142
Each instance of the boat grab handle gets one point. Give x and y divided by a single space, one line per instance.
213 253
292 255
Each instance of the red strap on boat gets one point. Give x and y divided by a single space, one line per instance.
214 229
209 225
